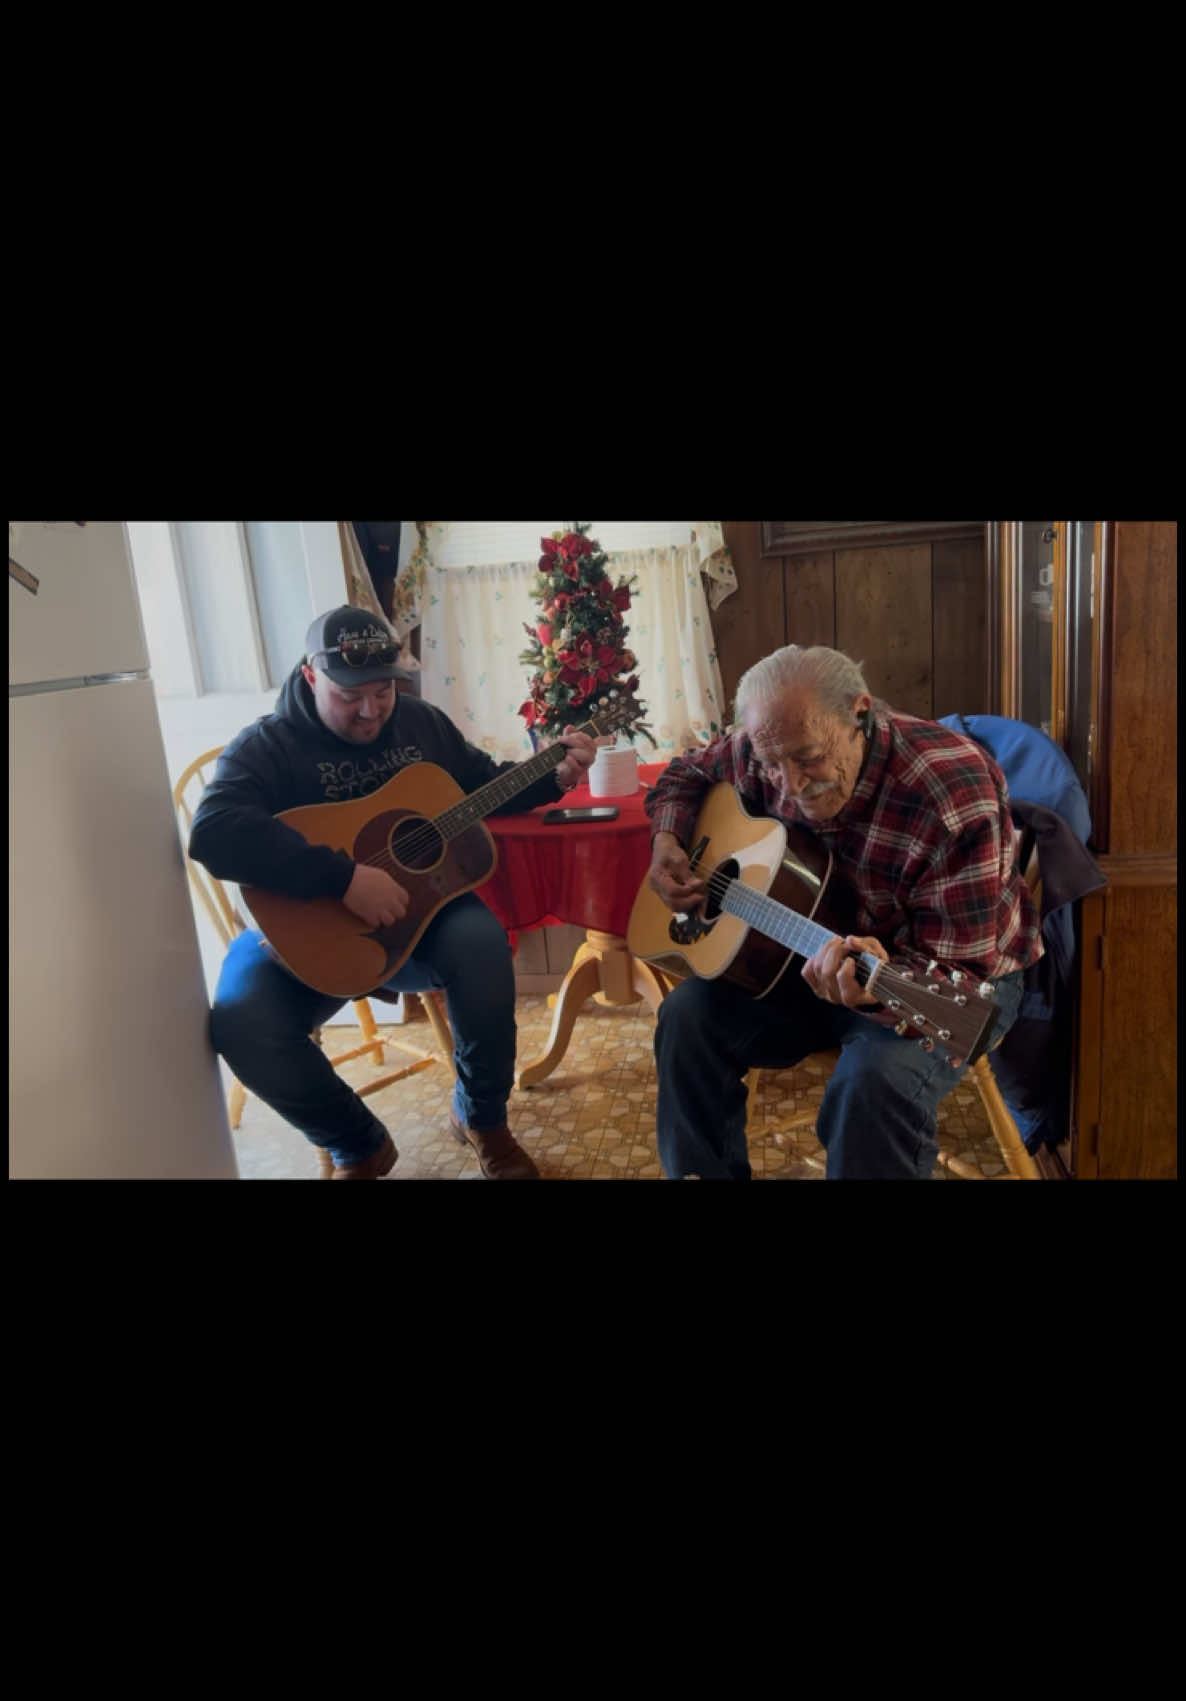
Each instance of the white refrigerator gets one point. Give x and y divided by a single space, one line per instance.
111 1073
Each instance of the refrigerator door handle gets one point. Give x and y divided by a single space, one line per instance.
74 684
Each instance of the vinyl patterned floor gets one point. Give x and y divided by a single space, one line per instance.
593 1119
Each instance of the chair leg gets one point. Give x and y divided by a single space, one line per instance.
440 1027
238 1100
1017 1159
366 1022
956 1166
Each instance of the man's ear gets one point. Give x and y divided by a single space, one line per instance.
310 676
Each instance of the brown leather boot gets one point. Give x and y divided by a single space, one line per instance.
500 1155
369 1169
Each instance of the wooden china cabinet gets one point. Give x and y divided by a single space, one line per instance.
1082 641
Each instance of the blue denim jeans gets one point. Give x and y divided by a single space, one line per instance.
878 1120
262 1019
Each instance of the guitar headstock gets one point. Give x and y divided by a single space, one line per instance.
952 1011
613 710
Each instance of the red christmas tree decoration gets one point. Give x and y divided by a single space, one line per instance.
577 653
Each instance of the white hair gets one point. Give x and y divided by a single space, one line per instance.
834 678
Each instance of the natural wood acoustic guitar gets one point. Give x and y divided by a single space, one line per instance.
424 831
774 898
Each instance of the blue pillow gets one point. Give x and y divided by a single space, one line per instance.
1034 766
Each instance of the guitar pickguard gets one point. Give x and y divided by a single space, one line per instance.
687 929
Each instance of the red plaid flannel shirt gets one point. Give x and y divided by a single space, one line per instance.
926 840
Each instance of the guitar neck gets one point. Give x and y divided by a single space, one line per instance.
785 925
499 791
934 1012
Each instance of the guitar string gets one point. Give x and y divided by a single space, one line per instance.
426 837
719 885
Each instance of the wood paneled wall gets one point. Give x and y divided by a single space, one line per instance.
1143 662
914 614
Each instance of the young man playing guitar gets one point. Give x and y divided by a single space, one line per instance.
916 820
340 734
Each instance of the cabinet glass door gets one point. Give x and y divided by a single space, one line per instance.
1050 591
1083 568
1036 622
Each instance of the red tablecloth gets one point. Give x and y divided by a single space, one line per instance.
584 873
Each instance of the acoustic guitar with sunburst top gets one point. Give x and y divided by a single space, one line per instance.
424 831
775 898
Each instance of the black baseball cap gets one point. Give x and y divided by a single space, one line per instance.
351 646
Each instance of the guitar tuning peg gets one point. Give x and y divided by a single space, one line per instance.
927 1044
986 989
957 975
931 967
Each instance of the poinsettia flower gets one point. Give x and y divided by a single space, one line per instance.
572 568
549 545
607 654
622 597
605 588
527 710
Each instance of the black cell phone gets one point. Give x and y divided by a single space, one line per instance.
605 812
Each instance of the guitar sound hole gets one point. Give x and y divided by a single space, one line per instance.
718 880
416 843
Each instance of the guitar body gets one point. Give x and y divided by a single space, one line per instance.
781 862
322 942
774 898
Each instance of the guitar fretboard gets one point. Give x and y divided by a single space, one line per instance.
497 792
490 797
778 922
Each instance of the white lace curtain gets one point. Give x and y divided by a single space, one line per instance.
472 615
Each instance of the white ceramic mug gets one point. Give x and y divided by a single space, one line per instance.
614 772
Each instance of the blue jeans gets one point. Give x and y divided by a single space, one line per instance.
879 1116
262 1019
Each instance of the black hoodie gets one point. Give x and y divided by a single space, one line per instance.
290 758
